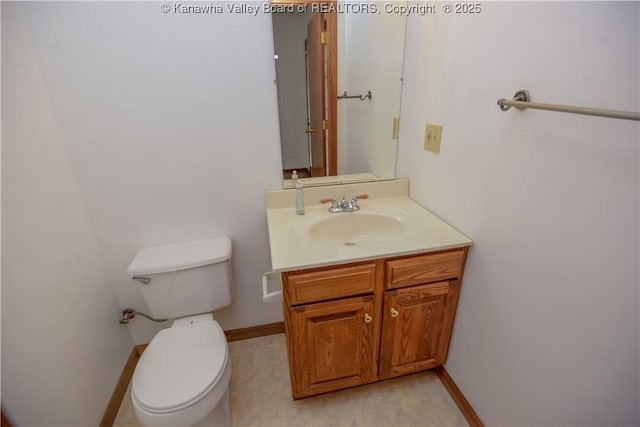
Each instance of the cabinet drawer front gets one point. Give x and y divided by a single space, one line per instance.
424 268
336 282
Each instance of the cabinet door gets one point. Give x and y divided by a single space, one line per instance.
416 327
332 345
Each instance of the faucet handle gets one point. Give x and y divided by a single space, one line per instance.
354 203
334 205
333 200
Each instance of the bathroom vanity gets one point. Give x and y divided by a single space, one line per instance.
374 301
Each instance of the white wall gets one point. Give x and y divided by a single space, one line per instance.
62 348
370 59
172 128
289 34
547 326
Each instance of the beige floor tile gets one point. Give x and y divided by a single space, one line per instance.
261 396
126 416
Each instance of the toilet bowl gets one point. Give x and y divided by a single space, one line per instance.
183 376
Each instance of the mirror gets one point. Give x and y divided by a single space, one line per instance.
339 80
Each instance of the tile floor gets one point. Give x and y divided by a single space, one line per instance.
260 396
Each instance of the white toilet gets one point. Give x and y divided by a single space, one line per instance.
182 378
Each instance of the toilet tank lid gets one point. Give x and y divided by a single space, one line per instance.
180 256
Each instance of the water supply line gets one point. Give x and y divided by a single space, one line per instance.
129 314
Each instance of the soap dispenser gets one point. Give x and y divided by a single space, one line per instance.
299 198
294 178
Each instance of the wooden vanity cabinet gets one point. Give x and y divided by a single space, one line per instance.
353 324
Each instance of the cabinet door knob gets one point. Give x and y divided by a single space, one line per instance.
367 318
394 312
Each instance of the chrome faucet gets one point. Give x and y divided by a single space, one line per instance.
345 205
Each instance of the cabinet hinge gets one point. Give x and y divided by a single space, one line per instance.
323 37
325 124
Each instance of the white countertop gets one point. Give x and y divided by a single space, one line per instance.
292 247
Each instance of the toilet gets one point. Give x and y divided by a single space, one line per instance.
182 378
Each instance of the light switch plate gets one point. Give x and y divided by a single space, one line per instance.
432 137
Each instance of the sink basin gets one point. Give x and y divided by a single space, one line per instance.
356 229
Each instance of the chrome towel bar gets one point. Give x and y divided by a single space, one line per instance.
522 100
360 97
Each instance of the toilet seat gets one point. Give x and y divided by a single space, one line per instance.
179 367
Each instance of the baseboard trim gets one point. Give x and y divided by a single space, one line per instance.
463 404
5 421
255 331
120 389
140 349
110 414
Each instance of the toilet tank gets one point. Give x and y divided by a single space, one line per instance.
184 278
